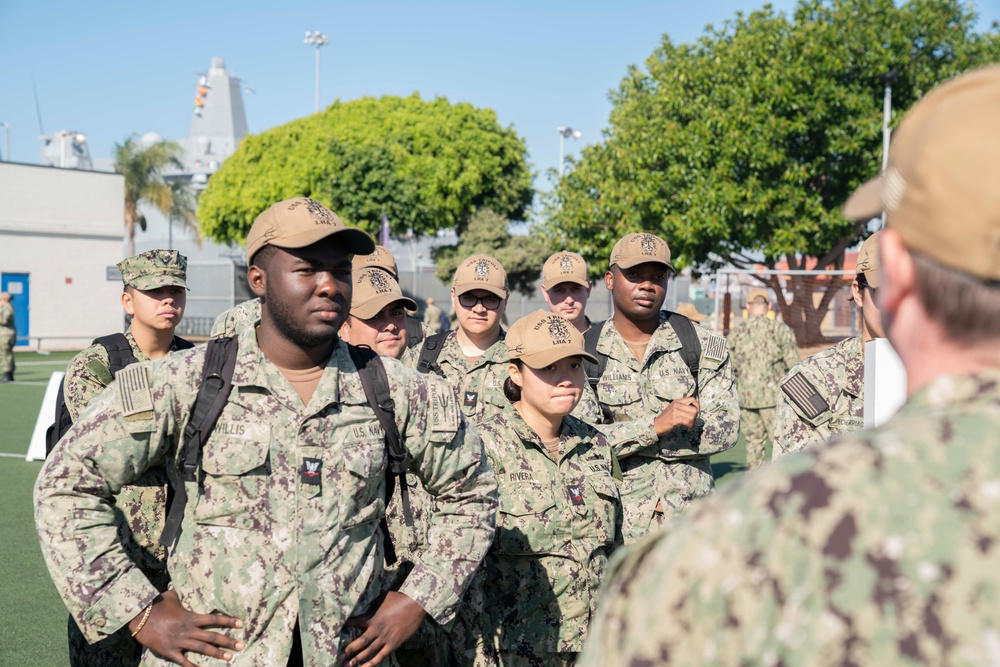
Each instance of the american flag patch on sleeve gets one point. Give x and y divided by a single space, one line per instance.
133 390
715 348
803 394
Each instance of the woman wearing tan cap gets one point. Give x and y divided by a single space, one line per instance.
560 512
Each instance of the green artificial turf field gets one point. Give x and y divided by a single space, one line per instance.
32 617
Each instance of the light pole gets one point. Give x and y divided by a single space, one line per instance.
888 79
564 134
317 39
6 143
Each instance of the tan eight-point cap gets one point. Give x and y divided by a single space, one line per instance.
868 262
543 338
381 258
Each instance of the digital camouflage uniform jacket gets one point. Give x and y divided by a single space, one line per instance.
822 397
236 319
140 506
762 350
878 549
674 469
264 537
558 523
479 386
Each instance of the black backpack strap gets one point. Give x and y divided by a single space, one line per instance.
414 332
182 343
374 381
216 384
429 353
690 344
63 421
590 339
119 351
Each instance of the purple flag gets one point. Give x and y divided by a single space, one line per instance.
383 235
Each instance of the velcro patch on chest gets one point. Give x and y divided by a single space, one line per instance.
714 348
575 492
802 393
443 411
133 390
471 399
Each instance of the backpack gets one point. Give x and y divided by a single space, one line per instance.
216 385
119 356
690 348
414 331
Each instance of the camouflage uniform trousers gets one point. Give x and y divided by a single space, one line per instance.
757 425
6 353
531 659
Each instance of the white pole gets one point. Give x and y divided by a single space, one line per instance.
562 139
886 112
317 78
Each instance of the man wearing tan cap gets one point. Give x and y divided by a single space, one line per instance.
378 314
472 358
879 548
279 543
824 395
566 287
666 391
154 295
762 350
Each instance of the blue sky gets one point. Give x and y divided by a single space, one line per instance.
112 68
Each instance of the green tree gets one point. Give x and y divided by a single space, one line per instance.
488 233
427 164
142 166
743 146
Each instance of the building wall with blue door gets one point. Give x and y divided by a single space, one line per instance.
60 231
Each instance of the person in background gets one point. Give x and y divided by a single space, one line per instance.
824 395
432 317
762 350
155 296
664 416
560 512
566 287
8 336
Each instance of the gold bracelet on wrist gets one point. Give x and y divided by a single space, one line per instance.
142 621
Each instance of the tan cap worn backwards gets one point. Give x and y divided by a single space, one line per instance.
299 222
543 338
564 267
690 311
940 186
374 289
759 295
868 260
480 272
635 249
154 269
381 258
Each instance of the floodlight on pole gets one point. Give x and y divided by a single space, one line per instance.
564 134
317 39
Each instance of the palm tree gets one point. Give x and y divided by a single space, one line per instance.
143 166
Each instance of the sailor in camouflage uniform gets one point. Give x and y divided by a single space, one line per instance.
566 287
560 511
824 395
279 542
8 336
662 424
762 350
155 295
473 357
880 548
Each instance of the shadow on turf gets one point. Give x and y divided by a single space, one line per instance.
727 467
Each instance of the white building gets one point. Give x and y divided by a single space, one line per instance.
60 237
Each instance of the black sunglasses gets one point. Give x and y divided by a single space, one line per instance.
490 301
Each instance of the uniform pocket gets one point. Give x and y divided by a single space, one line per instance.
526 520
234 487
607 505
362 492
